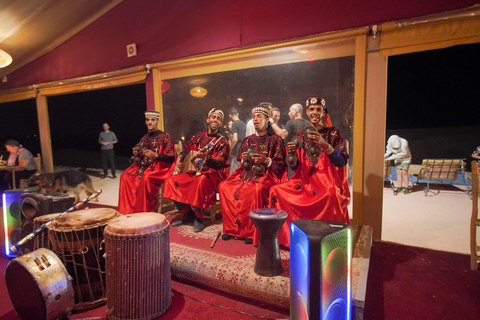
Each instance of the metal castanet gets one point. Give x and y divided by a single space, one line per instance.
42 228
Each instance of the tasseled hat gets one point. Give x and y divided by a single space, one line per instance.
327 122
216 111
152 114
262 109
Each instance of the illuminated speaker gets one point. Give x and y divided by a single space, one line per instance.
12 217
320 270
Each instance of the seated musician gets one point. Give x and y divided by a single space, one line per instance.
21 160
154 160
318 189
195 191
263 166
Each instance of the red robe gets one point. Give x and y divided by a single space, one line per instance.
139 184
245 191
200 190
317 190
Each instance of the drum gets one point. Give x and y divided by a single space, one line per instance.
138 266
39 286
268 223
41 240
77 239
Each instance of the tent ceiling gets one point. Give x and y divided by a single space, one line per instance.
30 29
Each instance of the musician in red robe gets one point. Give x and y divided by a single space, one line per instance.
194 192
263 166
318 189
154 161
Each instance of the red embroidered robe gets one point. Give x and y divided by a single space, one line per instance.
200 190
139 184
245 191
317 190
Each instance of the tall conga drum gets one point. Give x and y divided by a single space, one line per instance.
77 239
138 266
39 286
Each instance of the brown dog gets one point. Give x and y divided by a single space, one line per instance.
65 181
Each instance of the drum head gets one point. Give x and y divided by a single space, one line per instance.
24 292
84 218
34 278
45 218
137 223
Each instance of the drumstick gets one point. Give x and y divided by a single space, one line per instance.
215 239
40 229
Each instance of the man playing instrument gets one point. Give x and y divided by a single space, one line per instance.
263 165
194 192
318 189
154 161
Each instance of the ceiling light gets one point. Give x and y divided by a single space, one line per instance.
198 92
5 59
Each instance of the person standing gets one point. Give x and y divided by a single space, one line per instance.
318 189
194 192
107 139
398 150
238 134
294 125
263 165
154 161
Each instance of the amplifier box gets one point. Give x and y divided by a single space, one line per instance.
38 204
12 215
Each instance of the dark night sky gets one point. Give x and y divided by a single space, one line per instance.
432 89
429 89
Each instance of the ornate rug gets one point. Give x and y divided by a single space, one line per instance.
229 265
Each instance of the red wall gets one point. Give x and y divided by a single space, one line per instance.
169 29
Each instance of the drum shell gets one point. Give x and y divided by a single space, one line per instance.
82 252
138 274
39 291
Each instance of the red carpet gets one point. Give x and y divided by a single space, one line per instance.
413 283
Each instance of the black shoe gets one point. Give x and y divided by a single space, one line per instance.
406 191
248 241
198 225
226 236
104 177
114 177
187 218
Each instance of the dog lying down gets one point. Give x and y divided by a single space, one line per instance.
65 182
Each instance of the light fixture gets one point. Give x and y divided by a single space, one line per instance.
5 59
198 92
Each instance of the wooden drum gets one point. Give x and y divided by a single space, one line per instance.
77 239
39 286
41 241
138 266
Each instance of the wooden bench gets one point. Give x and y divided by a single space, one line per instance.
441 171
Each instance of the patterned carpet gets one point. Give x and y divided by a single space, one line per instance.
229 265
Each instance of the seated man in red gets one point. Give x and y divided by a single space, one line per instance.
263 165
198 190
154 161
318 189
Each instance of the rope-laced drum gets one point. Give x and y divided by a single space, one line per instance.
138 266
77 238
39 286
